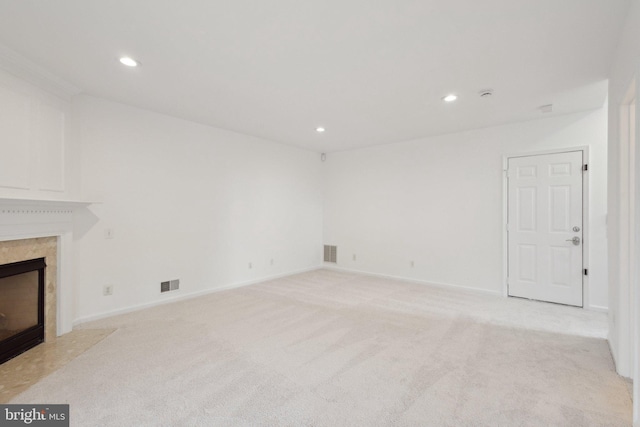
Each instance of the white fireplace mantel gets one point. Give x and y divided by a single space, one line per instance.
42 203
31 218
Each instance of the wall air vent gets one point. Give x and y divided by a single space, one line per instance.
170 285
330 253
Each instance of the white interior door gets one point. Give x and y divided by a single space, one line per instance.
545 227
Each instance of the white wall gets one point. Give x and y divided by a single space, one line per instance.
625 68
186 201
439 202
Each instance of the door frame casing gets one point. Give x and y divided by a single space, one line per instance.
585 216
628 223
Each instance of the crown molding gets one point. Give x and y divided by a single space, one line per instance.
28 70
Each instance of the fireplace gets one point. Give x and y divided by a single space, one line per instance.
22 318
31 229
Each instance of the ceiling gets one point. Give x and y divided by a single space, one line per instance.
369 72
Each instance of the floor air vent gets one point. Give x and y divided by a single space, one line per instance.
170 285
330 253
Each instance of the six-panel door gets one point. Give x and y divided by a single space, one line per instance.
545 227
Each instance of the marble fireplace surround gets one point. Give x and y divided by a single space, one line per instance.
50 222
30 249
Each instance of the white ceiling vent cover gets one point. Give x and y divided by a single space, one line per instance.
330 253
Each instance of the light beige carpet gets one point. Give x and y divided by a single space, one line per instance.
335 349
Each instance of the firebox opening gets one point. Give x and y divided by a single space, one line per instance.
21 307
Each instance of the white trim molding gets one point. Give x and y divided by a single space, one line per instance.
334 267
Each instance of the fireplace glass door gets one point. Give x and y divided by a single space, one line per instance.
21 307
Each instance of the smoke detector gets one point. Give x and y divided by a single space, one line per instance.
486 93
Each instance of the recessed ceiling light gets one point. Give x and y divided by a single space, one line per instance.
129 62
320 129
450 98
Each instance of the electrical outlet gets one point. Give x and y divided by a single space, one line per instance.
412 264
354 257
271 261
250 266
107 290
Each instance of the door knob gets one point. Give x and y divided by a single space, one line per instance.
575 240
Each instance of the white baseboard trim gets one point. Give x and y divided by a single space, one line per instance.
418 281
137 307
598 308
613 356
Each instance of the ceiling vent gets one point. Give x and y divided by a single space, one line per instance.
330 253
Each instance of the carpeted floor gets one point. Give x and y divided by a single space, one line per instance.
329 348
